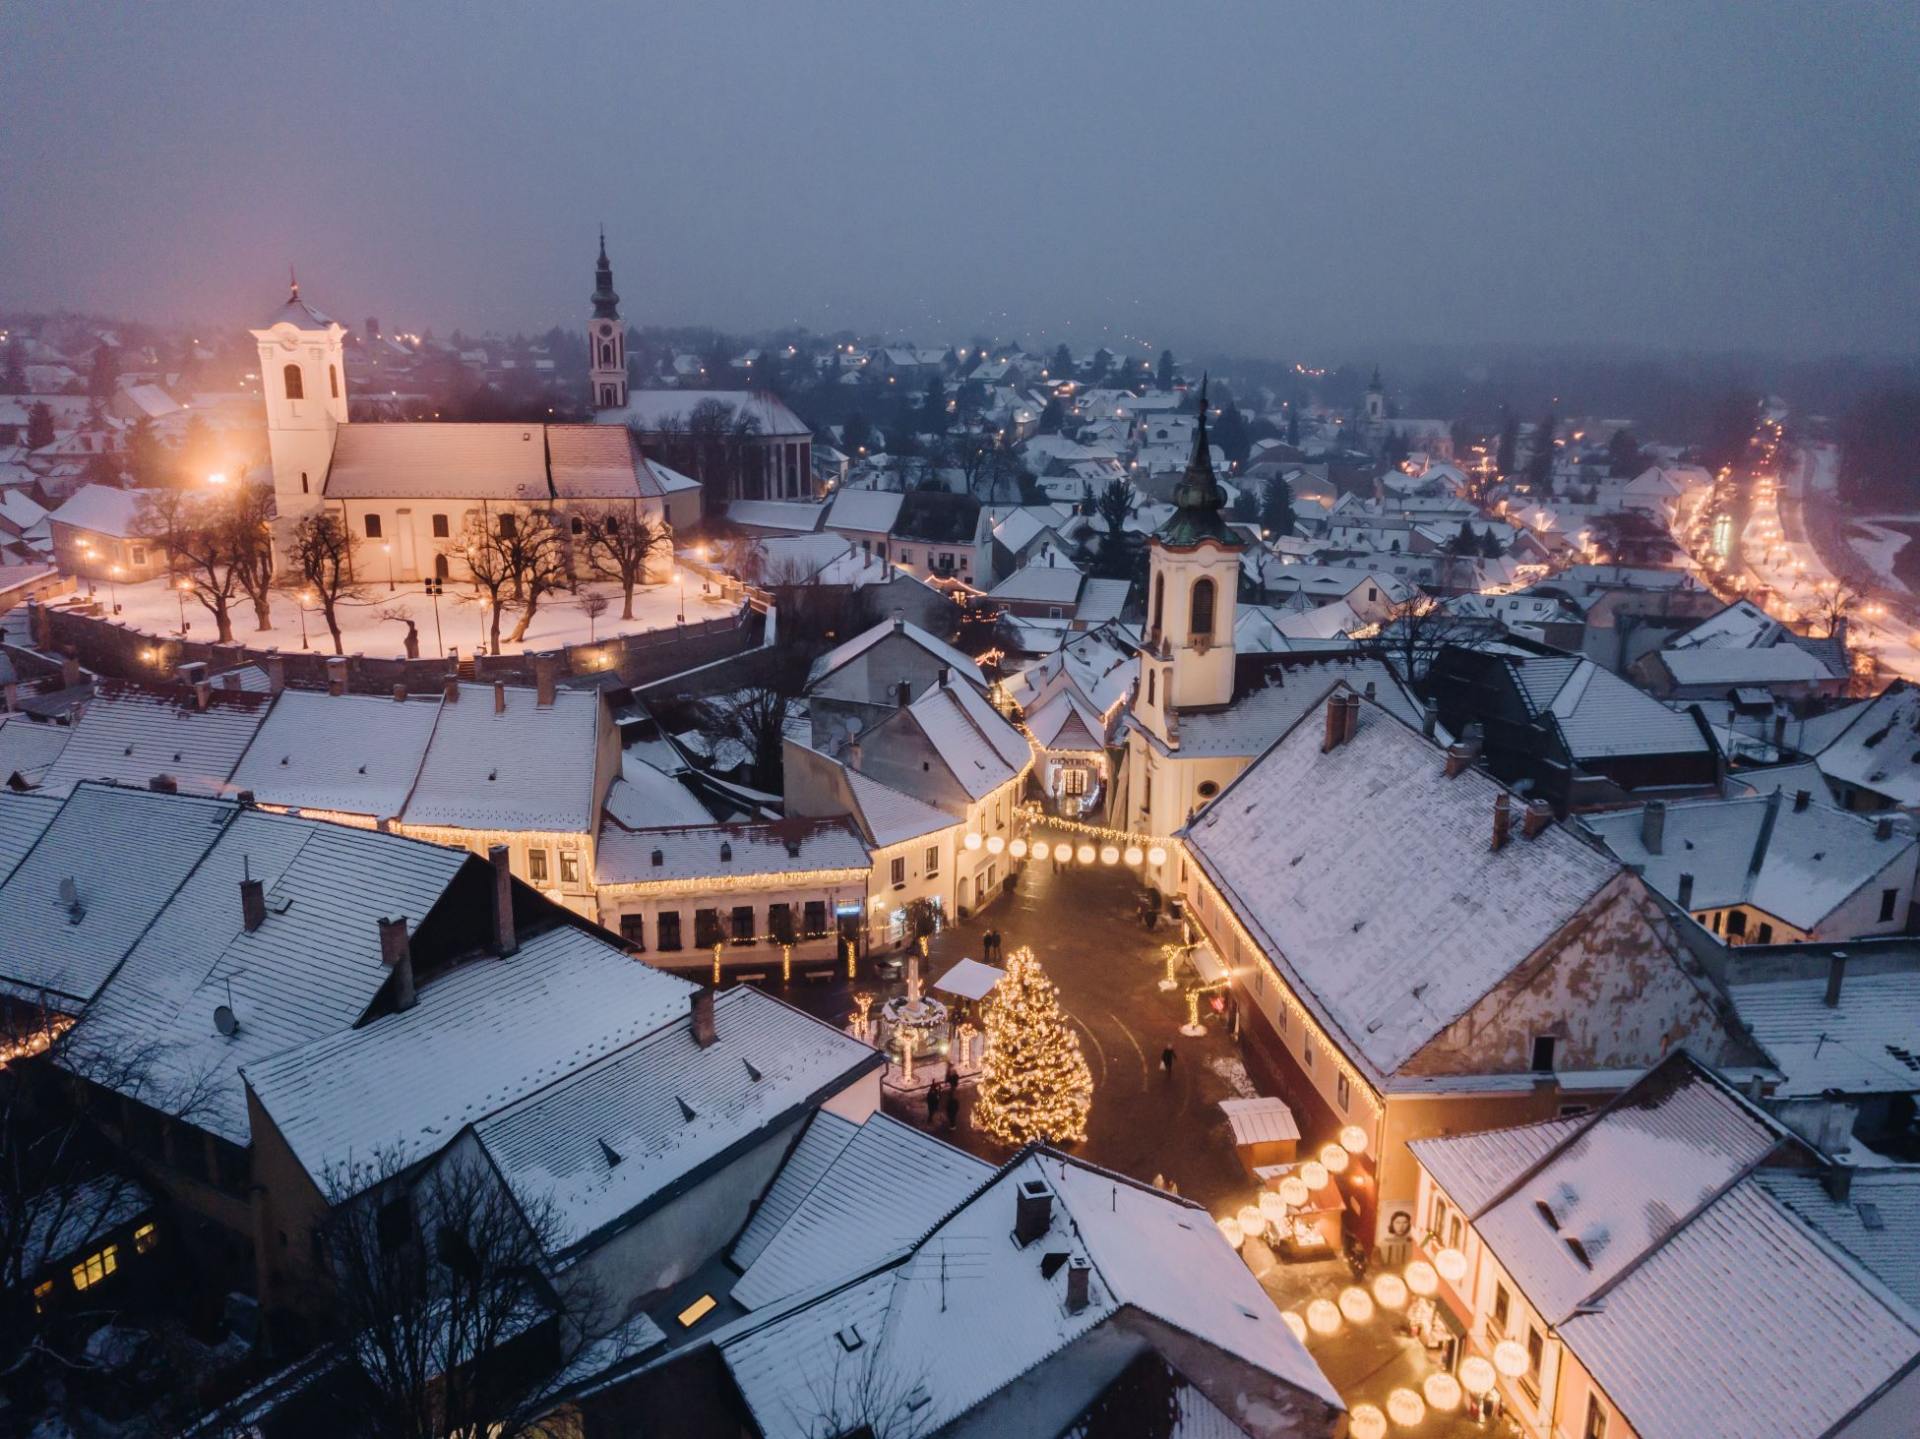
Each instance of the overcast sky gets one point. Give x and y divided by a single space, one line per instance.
1263 179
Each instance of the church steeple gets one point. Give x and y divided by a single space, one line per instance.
606 338
1198 498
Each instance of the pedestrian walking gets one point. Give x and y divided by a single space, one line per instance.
1166 1060
933 1102
953 1102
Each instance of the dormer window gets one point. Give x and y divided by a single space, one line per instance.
726 852
659 858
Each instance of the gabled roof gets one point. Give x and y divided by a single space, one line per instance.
646 798
1600 714
719 851
529 768
1066 722
102 510
1712 665
979 748
351 754
433 459
596 462
131 733
23 819
1879 748
1878 1222
1272 692
865 511
1384 819
890 816
960 664
1868 1043
29 747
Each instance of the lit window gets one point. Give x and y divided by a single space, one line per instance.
536 865
569 867
932 865
42 1295
96 1267
899 870
696 1311
145 1239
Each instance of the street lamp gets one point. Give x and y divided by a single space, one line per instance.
306 598
434 587
180 593
216 478
113 573
387 547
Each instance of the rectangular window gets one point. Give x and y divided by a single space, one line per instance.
537 865
139 554
1437 1220
96 1267
42 1296
1502 1307
1536 1351
906 556
633 929
1596 1425
440 529
706 928
897 871
569 867
393 1226
780 922
1766 933
1543 1047
1888 898
1737 924
1341 1092
509 526
815 918
930 863
373 527
743 927
666 929
145 1239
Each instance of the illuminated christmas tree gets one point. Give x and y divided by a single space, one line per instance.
1034 1082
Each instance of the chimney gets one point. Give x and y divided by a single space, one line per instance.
164 784
700 1017
1336 723
396 953
1801 799
504 938
1352 723
1684 895
1653 826
203 694
190 673
1502 819
400 693
230 681
69 671
1836 976
337 675
1078 1273
1779 729
1883 827
902 694
1429 718
1032 1211
944 676
253 903
499 697
1459 758
1838 1182
276 673
450 689
1535 819
546 679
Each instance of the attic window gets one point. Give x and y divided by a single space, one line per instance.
696 1311
726 852
1870 1217
659 858
849 1337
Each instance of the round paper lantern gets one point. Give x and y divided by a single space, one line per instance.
1041 849
1404 1407
1109 854
1391 1291
1442 1391
1452 1265
1295 1324
1230 1231
996 844
1133 855
1356 1304
1365 1421
973 841
1334 1157
1314 1173
1084 854
1421 1279
1273 1208
1476 1375
1510 1358
1252 1221
1156 856
1018 849
1323 1316
1353 1139
1294 1191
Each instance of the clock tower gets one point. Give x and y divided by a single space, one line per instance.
606 339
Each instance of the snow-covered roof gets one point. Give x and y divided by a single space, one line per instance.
980 749
1067 722
433 459
596 462
29 747
1713 665
651 410
1741 625
970 979
786 516
1601 715
891 816
529 767
1272 693
1879 747
720 851
1260 1120
1868 1043
865 511
1646 1217
125 851
351 754
1798 865
646 798
960 664
23 819
1055 584
103 510
1878 1222
1385 819
70 1219
666 1106
132 732
851 1197
481 1037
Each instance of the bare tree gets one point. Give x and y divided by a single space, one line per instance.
593 604
441 1300
401 615
1832 602
249 521
619 541
321 557
861 1394
490 561
206 549
1414 630
541 559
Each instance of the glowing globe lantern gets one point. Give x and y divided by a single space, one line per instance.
1390 1291
1252 1222
1476 1375
1295 1324
1323 1316
1084 854
1365 1421
1231 1232
1353 1139
1406 1408
973 841
1334 1157
1421 1279
1041 849
1510 1358
1451 1264
996 844
1356 1304
1109 854
1018 849
1273 1208
1133 855
1442 1391
1156 856
1314 1175
1294 1192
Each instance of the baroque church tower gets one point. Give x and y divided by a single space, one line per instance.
606 339
303 377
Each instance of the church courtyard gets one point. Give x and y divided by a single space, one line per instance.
374 622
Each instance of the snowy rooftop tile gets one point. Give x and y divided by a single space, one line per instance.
1879 747
958 662
1601 715
435 459
892 816
719 851
355 754
1868 1043
645 798
529 768
131 733
1878 1222
23 819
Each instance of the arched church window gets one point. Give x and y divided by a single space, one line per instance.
290 377
1200 616
333 381
1159 602
1150 679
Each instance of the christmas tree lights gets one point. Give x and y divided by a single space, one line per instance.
1034 1082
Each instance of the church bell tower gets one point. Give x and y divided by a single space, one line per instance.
303 378
606 339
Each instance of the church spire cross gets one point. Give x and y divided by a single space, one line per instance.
293 283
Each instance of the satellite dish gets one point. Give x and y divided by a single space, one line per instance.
224 1021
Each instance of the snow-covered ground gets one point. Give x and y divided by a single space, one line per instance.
368 628
1881 545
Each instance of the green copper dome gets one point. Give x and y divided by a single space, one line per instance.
1198 498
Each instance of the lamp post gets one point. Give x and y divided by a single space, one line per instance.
180 593
306 598
387 547
433 587
113 573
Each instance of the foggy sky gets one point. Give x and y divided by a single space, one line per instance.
1260 179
